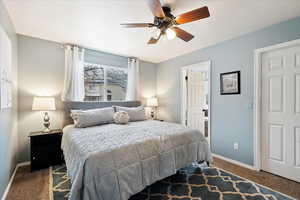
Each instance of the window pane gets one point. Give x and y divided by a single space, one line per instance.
116 84
94 83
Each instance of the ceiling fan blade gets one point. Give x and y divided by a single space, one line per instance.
137 25
182 34
152 41
156 8
155 40
193 15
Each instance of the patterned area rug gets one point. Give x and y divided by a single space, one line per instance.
190 183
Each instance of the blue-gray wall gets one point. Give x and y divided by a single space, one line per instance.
8 118
231 115
41 69
104 58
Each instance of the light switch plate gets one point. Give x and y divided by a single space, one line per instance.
236 146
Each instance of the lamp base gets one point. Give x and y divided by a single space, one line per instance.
46 130
46 123
152 114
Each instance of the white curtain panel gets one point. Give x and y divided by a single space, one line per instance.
74 74
133 80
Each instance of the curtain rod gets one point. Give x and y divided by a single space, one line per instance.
63 45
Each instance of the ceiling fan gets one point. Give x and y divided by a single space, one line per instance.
167 23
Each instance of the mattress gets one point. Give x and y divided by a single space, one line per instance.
113 162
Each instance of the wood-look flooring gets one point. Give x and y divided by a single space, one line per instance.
35 185
274 182
30 185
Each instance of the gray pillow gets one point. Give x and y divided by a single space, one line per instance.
135 113
93 117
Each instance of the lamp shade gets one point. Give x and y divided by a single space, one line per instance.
152 102
43 103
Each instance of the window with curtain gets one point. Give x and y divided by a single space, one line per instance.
104 83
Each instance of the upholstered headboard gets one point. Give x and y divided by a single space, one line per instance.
68 106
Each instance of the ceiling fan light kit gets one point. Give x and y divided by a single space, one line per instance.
167 23
170 34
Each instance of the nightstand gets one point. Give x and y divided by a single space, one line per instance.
45 149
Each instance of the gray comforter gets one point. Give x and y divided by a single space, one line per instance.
113 162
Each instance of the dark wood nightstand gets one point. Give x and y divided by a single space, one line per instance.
45 149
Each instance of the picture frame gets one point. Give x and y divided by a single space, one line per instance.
230 83
6 84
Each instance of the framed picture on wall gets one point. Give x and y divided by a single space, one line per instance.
230 83
5 71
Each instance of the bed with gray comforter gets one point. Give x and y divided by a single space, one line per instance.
113 162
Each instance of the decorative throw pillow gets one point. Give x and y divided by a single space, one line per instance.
121 117
135 113
93 117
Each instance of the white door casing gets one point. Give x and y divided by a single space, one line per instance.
195 100
280 112
203 67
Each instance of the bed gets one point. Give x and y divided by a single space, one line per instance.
113 162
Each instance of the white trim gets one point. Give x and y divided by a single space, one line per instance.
257 97
51 195
196 65
235 162
183 88
257 110
279 46
105 84
106 66
12 178
23 164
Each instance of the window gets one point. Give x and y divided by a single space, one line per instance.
104 83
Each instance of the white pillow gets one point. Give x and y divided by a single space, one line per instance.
121 117
93 117
135 113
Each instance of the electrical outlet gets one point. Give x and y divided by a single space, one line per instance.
236 146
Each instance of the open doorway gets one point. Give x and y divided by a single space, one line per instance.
195 92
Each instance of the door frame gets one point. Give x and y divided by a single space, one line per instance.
258 98
183 94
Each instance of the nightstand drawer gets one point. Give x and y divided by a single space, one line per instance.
39 159
45 149
45 156
46 139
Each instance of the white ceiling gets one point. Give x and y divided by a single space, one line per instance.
95 23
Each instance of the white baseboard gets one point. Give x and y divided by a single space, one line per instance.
23 164
235 162
12 178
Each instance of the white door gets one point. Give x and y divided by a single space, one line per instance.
195 100
281 112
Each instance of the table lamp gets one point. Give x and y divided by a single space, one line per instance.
152 102
44 104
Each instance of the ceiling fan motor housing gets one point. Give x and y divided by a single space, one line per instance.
166 22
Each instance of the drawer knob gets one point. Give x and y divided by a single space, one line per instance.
33 158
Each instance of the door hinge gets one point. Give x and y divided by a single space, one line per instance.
186 117
186 78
